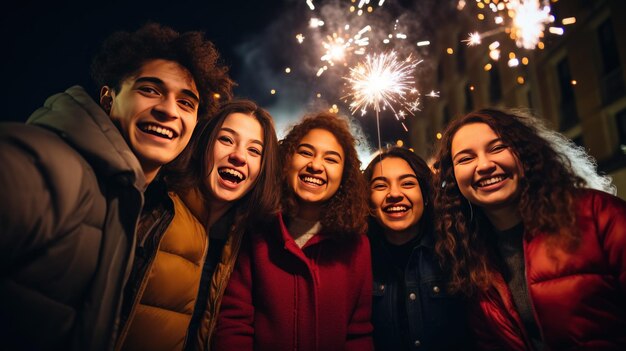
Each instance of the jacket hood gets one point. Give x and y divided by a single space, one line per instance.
78 119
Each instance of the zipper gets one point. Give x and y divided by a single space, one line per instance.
167 217
235 238
530 298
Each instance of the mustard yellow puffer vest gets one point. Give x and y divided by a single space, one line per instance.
168 293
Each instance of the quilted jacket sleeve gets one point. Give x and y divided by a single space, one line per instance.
610 218
40 193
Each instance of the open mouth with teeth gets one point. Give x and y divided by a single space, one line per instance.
312 180
490 181
396 209
157 130
231 175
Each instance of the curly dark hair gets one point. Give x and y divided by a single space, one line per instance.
123 53
345 214
424 177
191 167
546 204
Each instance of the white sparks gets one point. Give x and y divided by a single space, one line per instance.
494 54
556 30
423 43
569 20
473 39
310 3
380 81
529 20
316 22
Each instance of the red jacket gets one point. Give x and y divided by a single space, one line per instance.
281 297
579 298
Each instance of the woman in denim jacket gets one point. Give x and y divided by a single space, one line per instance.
411 308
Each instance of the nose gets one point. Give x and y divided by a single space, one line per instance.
167 108
315 166
485 165
237 157
394 194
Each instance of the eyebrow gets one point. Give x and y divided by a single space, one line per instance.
469 151
402 177
160 83
329 152
230 130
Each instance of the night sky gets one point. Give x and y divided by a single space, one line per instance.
47 48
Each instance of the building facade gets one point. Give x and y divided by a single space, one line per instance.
575 81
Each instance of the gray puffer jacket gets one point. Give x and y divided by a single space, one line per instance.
72 196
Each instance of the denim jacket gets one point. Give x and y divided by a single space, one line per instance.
436 320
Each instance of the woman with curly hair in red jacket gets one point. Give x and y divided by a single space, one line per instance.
305 282
540 253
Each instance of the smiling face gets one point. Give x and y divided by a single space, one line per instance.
486 171
156 111
396 198
316 167
237 155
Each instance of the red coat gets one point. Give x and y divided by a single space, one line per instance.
579 298
281 297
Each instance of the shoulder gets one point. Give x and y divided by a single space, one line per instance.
36 151
47 187
590 201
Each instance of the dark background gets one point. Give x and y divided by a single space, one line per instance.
47 47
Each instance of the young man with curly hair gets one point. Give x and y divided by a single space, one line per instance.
75 216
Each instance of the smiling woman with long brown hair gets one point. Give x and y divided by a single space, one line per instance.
305 282
541 254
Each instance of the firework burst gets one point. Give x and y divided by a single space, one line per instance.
383 81
525 22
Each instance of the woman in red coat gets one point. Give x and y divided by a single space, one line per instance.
542 255
305 282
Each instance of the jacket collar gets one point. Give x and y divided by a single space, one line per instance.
77 118
375 233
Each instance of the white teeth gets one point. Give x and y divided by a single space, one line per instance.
232 172
313 180
396 209
490 181
160 130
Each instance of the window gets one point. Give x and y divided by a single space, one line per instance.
620 120
469 102
460 54
446 116
568 115
611 80
440 71
495 92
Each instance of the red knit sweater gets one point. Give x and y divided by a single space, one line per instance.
281 297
